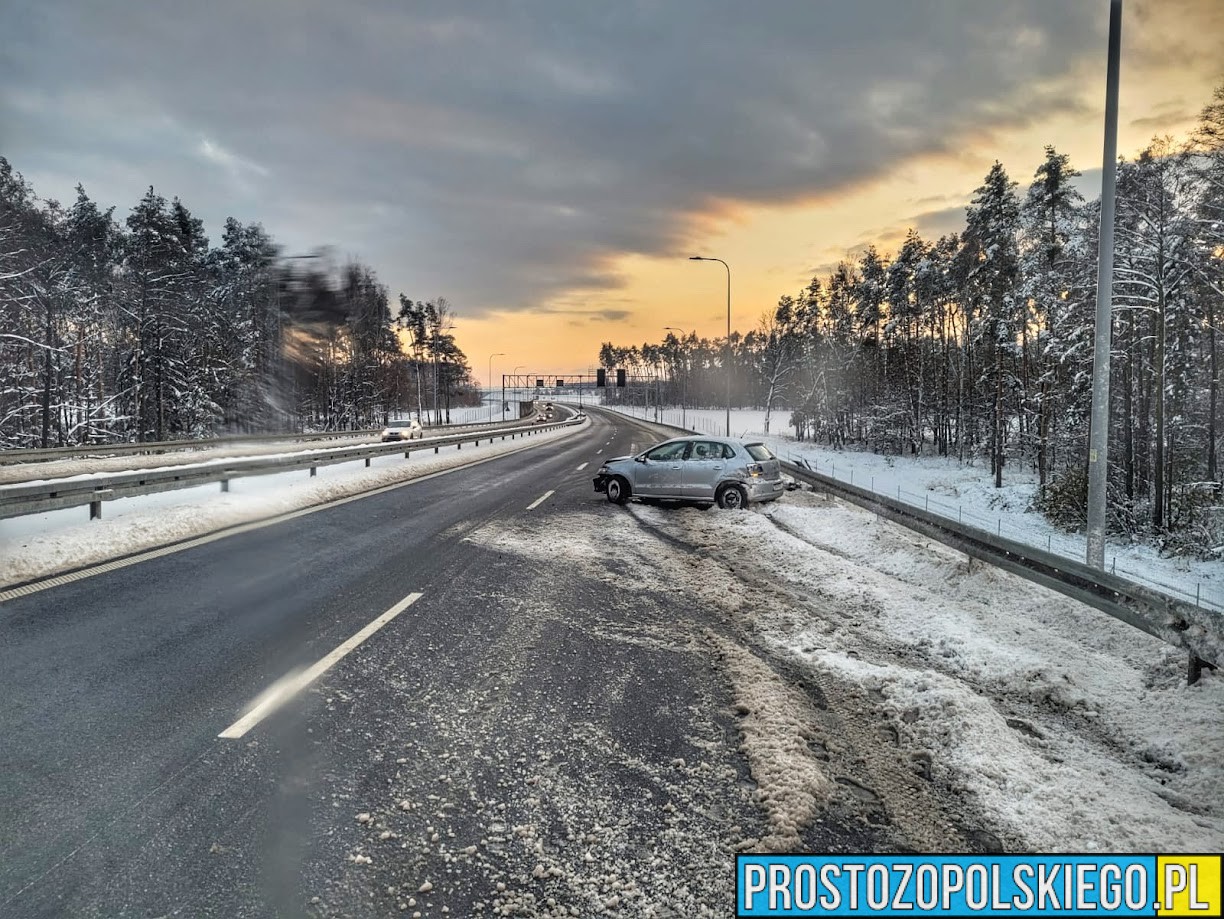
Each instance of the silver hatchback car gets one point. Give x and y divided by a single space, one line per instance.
700 469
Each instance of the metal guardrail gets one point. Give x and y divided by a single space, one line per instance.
92 490
1173 621
39 454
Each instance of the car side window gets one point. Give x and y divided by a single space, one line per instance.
728 453
667 452
704 450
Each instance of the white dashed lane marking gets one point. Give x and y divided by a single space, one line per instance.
580 468
540 500
294 682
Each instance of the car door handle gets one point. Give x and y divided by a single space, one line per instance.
676 466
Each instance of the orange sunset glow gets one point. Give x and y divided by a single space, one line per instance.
1168 74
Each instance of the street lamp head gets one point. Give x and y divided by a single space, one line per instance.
697 258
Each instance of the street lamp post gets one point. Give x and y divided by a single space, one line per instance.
727 359
684 381
491 356
1098 429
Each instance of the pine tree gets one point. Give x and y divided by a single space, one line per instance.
1153 271
1050 215
1209 233
992 262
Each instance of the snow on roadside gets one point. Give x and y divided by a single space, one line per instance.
1068 729
1052 792
40 545
778 725
79 466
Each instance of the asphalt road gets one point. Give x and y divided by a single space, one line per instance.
543 732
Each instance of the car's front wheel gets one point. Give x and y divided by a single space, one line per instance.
732 498
618 490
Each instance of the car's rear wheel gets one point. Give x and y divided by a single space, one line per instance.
618 490
732 498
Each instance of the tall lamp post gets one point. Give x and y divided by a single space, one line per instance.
491 356
684 382
727 359
1098 430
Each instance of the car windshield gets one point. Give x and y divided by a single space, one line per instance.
759 452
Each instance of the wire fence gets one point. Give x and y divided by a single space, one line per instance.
1067 545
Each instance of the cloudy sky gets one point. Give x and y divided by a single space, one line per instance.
547 165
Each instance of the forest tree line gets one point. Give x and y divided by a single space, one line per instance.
979 344
141 330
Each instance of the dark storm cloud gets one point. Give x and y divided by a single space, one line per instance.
500 153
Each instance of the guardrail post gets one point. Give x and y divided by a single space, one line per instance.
367 459
435 449
95 510
225 485
1195 670
313 470
406 452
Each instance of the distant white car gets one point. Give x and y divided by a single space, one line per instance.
401 430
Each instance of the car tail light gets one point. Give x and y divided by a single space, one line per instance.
756 470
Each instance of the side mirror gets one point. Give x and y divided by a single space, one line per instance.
640 459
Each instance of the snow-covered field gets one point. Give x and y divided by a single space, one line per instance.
962 491
476 414
39 545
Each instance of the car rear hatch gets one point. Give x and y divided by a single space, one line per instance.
763 459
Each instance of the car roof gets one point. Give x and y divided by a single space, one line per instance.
716 438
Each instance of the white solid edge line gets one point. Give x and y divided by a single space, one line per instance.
540 500
291 684
580 468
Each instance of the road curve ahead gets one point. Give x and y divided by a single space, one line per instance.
482 693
